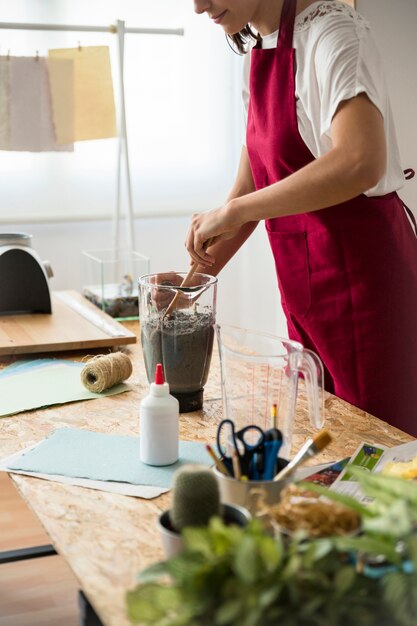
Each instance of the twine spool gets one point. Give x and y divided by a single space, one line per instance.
102 372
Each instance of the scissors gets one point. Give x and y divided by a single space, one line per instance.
247 442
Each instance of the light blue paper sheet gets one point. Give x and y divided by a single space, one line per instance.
19 366
85 454
27 385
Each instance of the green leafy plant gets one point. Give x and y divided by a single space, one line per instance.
229 576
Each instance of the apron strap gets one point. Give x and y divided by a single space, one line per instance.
286 24
409 173
410 215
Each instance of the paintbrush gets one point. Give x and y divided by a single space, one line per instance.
311 447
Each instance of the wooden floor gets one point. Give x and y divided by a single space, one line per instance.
39 592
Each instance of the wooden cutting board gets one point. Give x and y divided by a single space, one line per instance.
75 324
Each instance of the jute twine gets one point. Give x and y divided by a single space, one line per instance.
102 372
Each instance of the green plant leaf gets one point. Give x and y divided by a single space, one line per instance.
267 597
197 539
368 545
271 552
229 612
341 498
344 580
311 606
394 522
411 544
400 597
292 566
398 487
315 550
153 572
152 603
246 561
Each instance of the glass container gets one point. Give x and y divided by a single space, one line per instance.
110 278
181 340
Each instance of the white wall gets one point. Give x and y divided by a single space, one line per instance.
394 25
247 288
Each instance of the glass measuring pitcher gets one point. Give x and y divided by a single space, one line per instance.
259 370
181 340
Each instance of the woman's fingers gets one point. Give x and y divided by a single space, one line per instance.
197 240
161 294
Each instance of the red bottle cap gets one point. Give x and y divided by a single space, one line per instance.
159 375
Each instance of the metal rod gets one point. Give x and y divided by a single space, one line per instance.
90 29
123 135
35 552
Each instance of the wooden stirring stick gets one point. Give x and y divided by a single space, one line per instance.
186 282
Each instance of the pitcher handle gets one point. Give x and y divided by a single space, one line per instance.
312 369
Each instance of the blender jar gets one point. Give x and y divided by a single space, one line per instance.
182 340
259 370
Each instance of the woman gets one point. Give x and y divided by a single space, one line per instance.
321 166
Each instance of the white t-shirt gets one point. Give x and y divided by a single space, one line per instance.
336 60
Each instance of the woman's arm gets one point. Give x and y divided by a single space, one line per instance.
355 164
224 249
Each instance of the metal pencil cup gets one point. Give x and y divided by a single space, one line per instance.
249 494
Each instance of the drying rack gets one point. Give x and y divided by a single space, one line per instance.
120 30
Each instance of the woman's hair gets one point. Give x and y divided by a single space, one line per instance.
241 39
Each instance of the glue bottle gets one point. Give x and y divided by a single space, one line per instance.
159 424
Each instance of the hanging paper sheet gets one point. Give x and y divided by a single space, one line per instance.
4 104
31 125
94 110
61 82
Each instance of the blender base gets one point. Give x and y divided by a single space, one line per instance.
190 401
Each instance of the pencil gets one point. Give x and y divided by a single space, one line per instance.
274 412
219 464
236 466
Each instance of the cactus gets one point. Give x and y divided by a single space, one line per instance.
196 497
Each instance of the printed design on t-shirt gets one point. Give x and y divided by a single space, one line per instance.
328 8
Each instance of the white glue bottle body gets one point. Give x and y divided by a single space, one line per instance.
159 424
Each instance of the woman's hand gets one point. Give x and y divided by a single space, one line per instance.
164 290
213 225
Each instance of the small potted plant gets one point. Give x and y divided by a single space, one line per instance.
195 500
244 577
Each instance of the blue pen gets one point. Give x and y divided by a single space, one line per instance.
273 443
264 467
271 450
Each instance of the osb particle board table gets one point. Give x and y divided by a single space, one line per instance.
107 538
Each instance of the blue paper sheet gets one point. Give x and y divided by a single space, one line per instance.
19 366
81 453
31 384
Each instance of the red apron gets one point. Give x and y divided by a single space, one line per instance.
348 273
